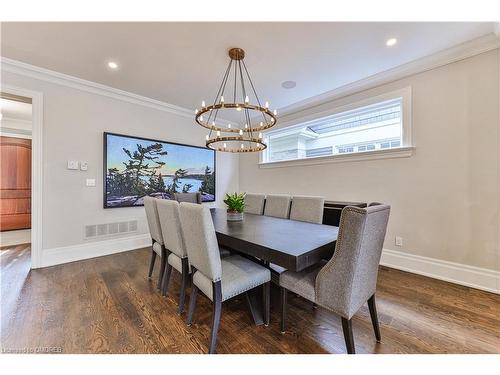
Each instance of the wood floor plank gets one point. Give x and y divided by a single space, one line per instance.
108 305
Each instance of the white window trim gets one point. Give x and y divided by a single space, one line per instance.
406 150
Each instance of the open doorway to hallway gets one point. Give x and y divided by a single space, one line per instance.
15 172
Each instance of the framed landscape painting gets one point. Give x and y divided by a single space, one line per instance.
137 167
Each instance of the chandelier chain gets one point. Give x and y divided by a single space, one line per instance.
247 116
254 91
223 87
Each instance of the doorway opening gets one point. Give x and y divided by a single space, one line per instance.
16 125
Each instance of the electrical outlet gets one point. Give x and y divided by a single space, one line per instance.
90 182
84 166
399 241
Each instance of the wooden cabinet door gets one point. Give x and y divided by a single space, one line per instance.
15 183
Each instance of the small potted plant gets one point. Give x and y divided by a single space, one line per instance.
235 205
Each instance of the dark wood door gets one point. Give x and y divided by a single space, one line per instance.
15 183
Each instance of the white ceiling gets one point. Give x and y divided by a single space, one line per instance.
183 63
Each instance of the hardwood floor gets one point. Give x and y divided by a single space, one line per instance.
108 305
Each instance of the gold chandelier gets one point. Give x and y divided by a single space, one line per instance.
244 134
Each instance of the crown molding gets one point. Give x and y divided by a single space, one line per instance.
14 132
459 52
27 70
16 120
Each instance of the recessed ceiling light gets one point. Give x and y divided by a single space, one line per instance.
391 42
112 65
289 84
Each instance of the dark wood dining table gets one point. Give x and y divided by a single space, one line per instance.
294 245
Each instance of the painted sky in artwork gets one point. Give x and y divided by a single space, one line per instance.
193 159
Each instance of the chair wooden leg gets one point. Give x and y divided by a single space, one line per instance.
266 305
166 280
152 263
348 337
373 313
185 279
284 294
192 304
192 298
162 266
217 302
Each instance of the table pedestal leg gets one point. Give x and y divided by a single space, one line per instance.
254 301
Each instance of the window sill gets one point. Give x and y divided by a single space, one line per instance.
401 152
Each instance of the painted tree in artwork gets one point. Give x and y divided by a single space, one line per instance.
119 183
156 184
186 188
208 183
143 162
178 175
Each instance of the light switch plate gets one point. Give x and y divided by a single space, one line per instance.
84 166
73 164
90 182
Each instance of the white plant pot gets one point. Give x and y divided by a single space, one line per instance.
234 216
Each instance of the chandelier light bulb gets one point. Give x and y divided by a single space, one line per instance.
242 145
246 126
238 108
229 126
246 99
196 111
213 123
241 132
201 118
267 105
225 145
275 112
261 123
218 133
222 99
260 135
203 103
207 137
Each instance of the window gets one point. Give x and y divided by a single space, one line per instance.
374 125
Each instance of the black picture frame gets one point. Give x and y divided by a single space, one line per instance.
105 162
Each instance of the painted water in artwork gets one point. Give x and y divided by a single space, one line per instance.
137 167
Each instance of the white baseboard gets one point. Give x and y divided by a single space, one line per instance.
474 277
66 254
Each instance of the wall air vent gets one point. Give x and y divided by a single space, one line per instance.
110 229
90 231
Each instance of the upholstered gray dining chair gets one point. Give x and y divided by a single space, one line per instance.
307 208
254 203
219 279
158 247
196 198
168 211
277 205
349 279
188 197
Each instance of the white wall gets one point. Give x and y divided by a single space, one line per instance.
73 126
445 198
